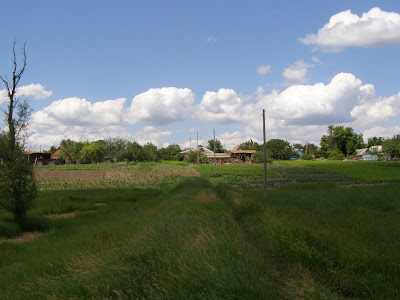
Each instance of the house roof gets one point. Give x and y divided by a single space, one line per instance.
207 152
362 151
376 149
236 150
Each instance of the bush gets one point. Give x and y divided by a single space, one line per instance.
307 157
258 157
192 157
336 155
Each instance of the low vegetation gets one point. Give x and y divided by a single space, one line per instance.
328 230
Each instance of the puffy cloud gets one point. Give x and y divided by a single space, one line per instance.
160 106
376 111
319 103
149 134
297 73
263 70
45 138
76 111
223 106
380 131
230 140
376 28
37 91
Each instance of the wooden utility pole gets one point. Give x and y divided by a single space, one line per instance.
265 158
215 162
197 149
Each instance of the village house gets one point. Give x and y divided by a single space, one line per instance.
369 154
219 157
239 155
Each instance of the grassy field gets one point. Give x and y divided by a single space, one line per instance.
359 170
327 231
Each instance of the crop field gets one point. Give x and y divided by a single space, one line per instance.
110 176
328 230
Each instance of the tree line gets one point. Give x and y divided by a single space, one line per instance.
338 143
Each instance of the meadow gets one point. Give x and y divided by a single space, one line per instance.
328 230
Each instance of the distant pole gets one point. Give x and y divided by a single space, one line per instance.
197 149
190 144
215 162
265 158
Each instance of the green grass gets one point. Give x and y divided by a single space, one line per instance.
360 170
327 235
337 242
176 244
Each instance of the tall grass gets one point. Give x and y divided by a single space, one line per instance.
360 170
339 242
179 244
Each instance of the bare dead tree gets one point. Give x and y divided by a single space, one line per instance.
17 183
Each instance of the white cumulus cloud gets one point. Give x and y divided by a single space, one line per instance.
76 111
376 28
150 134
37 91
380 131
297 73
160 106
223 106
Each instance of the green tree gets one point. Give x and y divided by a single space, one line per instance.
258 157
218 146
133 152
150 152
17 182
93 152
171 152
375 141
299 147
279 149
70 150
251 145
391 147
192 157
342 139
115 148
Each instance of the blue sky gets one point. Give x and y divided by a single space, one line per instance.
159 71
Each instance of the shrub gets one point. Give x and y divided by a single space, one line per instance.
258 157
336 155
307 157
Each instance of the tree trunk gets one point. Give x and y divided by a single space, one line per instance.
20 214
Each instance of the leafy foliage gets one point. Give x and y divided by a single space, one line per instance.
336 155
340 139
192 157
218 146
279 149
391 147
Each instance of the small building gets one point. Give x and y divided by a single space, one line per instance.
243 155
367 154
219 157
37 158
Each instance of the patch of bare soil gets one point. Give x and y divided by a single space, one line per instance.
62 216
24 237
101 203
